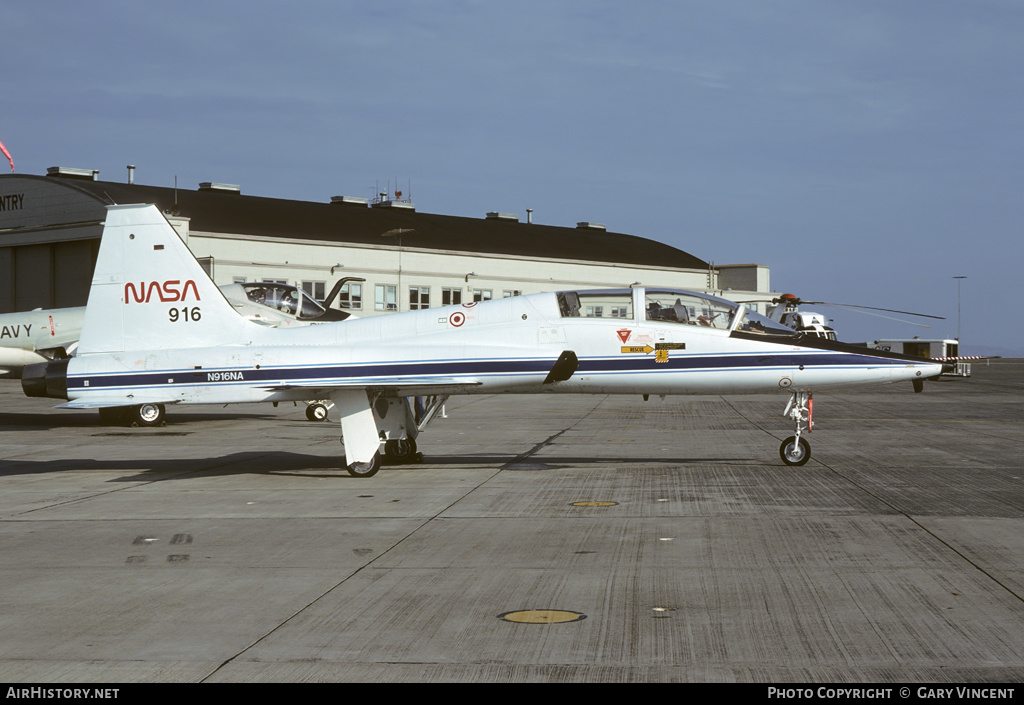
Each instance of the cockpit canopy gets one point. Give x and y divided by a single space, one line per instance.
689 308
667 306
284 298
600 303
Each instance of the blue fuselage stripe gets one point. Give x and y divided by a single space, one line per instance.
625 364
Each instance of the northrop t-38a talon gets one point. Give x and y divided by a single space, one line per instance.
158 331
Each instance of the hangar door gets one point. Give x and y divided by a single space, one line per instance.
46 275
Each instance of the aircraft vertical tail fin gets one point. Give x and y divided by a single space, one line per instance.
149 292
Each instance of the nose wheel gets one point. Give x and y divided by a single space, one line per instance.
795 450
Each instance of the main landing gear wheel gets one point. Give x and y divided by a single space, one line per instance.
316 412
795 451
141 415
401 450
148 414
365 469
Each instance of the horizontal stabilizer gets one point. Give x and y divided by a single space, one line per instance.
94 403
434 383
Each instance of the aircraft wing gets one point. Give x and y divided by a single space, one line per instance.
561 370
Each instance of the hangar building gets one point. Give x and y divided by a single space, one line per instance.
50 228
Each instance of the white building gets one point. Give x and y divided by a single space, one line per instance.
50 228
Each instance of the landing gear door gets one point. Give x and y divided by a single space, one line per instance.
395 417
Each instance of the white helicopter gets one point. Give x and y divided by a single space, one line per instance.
157 331
786 310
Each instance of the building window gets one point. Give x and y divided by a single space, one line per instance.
274 281
419 297
315 289
481 294
385 297
239 280
511 292
351 295
451 297
573 304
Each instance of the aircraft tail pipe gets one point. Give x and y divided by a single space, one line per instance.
46 379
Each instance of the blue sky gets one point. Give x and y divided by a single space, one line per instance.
866 151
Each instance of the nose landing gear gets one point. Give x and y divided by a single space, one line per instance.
795 450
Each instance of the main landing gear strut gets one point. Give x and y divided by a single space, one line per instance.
369 420
795 450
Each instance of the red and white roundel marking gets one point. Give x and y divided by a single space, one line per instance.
457 318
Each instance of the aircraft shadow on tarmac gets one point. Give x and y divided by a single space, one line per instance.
303 464
151 469
51 420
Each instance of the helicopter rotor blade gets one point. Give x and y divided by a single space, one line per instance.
874 308
891 318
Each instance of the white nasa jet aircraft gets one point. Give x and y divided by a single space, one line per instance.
158 331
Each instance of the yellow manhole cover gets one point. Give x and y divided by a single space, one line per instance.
594 504
542 616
